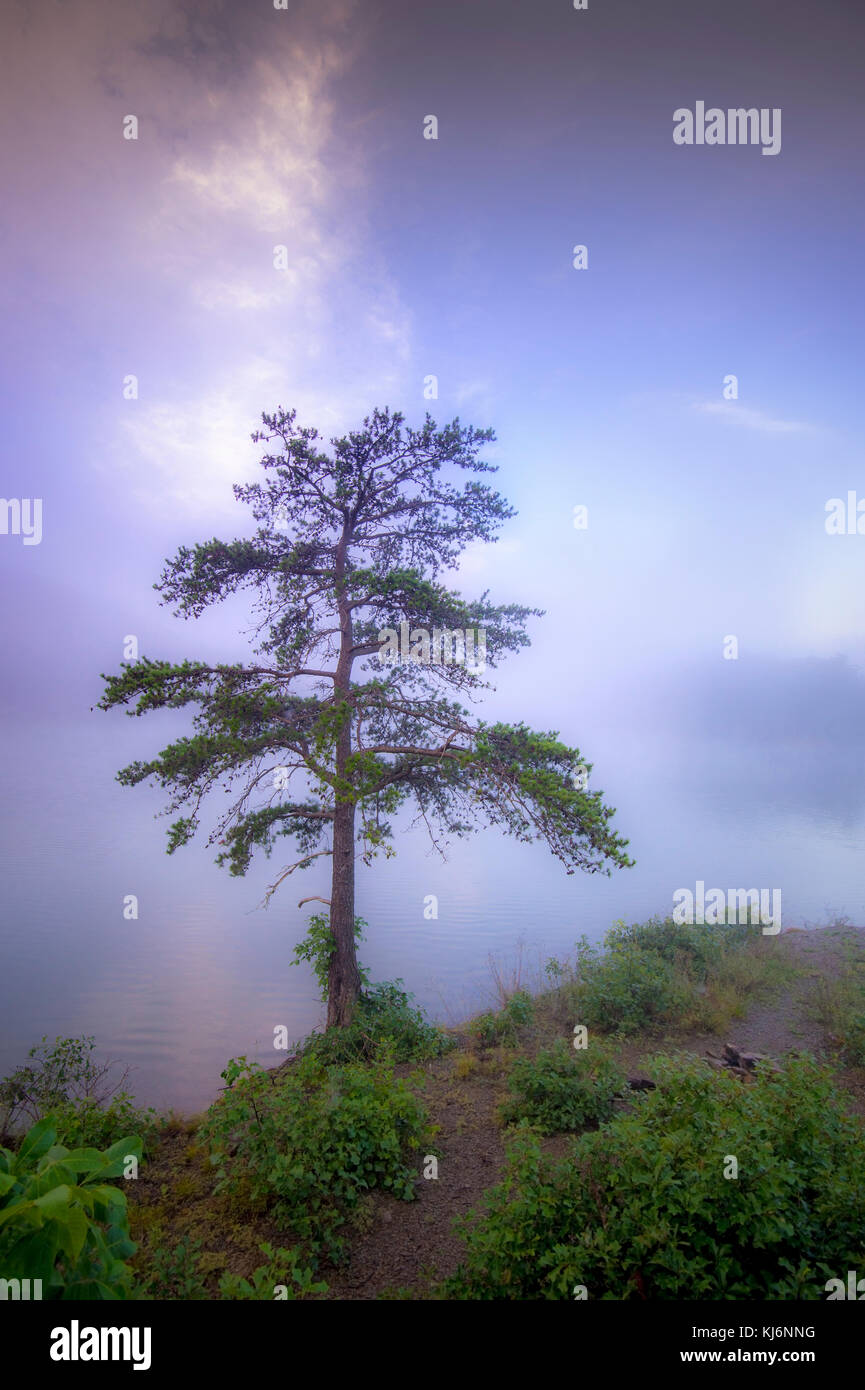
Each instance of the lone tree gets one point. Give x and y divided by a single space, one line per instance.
351 543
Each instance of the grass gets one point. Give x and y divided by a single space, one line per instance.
838 1005
659 978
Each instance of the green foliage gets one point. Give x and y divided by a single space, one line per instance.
62 1220
88 1124
658 975
493 1029
86 1105
307 1141
641 1208
316 948
174 1274
384 1024
697 949
563 1089
283 1270
854 1040
628 989
838 1003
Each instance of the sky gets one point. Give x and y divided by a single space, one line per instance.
408 257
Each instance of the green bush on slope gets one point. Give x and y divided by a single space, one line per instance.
308 1140
642 1207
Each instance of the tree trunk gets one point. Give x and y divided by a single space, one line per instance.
343 981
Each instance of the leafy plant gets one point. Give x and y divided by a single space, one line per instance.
694 947
647 1206
385 1023
562 1089
61 1219
838 1004
89 1124
283 1270
491 1029
308 1140
628 989
174 1274
316 948
88 1107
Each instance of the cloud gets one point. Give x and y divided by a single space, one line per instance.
479 393
169 256
186 453
267 168
751 419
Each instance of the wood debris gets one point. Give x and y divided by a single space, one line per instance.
742 1064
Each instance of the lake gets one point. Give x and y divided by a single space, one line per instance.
203 974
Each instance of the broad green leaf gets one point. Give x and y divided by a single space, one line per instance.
21 1211
33 1256
114 1159
36 1142
90 1289
85 1161
74 1226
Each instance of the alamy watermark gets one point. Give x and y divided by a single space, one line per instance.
855 1288
77 1343
19 1290
440 647
736 126
845 518
716 907
22 516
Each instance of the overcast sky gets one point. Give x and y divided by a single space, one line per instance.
408 257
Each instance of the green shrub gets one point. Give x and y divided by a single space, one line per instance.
62 1082
661 975
173 1275
493 1029
854 1040
61 1219
628 990
309 1140
696 949
384 1020
283 1270
384 1023
563 1089
641 1208
838 1004
89 1124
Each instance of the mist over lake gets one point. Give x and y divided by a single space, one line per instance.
204 975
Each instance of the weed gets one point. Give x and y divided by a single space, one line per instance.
310 1140
282 1277
563 1089
174 1274
385 1022
490 1029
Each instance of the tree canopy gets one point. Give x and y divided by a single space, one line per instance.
320 741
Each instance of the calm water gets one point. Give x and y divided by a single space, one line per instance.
203 974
